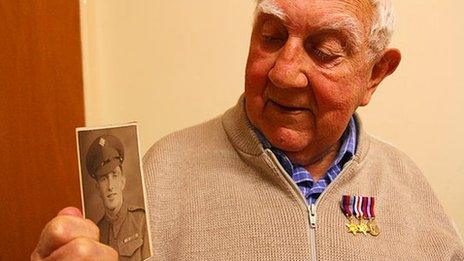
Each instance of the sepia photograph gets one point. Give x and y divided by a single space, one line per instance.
112 188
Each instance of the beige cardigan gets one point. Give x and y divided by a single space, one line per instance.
215 194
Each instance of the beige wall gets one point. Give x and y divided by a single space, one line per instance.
172 64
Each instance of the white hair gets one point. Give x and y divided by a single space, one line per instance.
382 23
268 7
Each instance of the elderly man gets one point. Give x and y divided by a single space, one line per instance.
289 173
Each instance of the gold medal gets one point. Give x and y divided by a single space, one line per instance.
352 226
360 208
363 227
373 228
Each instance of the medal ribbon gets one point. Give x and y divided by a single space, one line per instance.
372 207
346 205
360 210
368 205
358 206
364 207
357 211
368 208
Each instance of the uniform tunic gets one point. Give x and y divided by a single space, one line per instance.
127 233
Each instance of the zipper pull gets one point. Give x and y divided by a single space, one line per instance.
312 215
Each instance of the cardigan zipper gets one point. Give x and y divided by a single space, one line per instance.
312 229
311 209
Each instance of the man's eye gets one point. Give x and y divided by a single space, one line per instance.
273 39
324 56
321 54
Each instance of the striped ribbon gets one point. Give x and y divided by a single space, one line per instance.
346 205
358 206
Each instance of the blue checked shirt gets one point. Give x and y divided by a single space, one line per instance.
310 189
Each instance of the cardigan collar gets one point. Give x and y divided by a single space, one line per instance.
244 139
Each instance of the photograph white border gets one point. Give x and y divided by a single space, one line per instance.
142 173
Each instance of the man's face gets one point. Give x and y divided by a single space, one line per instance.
111 187
307 72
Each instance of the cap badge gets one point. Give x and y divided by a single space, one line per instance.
102 142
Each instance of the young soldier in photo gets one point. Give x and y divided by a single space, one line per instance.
123 226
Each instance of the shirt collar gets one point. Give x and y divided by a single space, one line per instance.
116 222
346 151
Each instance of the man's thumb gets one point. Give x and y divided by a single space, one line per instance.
70 211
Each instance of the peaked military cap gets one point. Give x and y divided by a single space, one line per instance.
105 153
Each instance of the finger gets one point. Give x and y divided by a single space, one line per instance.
63 229
83 249
70 211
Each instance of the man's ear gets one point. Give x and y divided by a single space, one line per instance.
383 67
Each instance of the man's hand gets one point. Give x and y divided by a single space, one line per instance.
68 236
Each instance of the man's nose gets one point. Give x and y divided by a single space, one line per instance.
288 70
110 183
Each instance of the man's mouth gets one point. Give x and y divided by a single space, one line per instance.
286 108
111 195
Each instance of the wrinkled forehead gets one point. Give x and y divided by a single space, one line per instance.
351 14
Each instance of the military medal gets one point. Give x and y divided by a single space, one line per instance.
347 208
358 213
373 228
362 209
361 214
